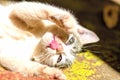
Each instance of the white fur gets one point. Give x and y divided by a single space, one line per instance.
27 28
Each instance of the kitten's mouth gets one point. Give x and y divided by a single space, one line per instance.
54 45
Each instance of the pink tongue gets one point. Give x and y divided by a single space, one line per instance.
54 45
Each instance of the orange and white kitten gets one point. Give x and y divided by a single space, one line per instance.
34 36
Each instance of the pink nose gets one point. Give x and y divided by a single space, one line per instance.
55 45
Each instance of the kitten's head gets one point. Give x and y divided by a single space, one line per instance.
58 49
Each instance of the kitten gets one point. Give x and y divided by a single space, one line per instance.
34 36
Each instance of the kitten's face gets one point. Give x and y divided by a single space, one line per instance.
57 48
54 51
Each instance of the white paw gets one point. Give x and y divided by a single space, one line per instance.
42 70
66 21
54 73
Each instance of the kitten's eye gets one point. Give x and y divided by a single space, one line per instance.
70 41
59 58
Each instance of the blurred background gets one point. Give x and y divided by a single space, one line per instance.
100 16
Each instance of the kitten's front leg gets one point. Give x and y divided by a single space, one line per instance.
31 13
52 73
28 67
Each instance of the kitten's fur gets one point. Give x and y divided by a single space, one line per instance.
33 35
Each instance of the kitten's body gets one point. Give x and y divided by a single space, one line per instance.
38 31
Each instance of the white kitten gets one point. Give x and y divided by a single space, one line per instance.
34 35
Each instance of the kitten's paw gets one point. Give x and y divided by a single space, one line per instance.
66 21
54 73
43 70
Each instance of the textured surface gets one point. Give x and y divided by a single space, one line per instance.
8 75
87 66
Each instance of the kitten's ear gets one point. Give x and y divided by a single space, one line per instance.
87 36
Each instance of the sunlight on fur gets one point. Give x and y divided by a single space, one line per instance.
35 37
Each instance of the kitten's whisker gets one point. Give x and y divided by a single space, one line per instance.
43 57
95 51
84 50
47 56
89 46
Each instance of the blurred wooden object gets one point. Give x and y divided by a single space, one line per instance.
116 1
111 15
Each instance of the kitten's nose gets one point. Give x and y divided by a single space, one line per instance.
55 45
